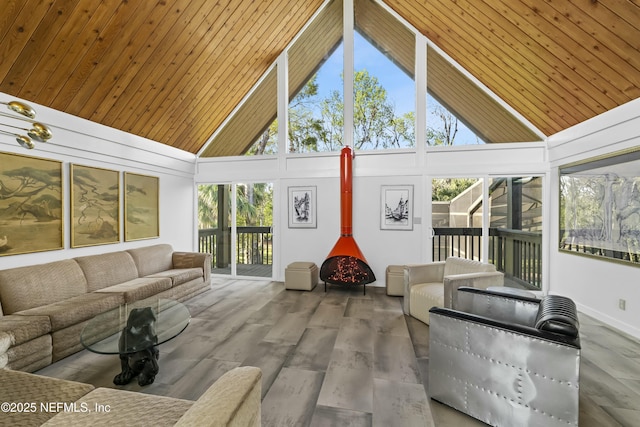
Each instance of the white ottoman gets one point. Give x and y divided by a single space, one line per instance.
301 275
394 280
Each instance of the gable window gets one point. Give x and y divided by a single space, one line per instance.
456 100
382 112
384 85
252 128
315 84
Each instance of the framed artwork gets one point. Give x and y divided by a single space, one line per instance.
302 207
396 202
600 207
141 206
95 206
31 204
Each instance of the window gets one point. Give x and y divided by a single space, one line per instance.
515 227
254 221
455 99
214 225
384 85
253 127
456 218
445 128
315 84
244 248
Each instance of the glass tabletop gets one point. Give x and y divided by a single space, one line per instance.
135 327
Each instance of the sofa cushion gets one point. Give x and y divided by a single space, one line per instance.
125 408
21 329
75 310
179 276
5 342
107 269
22 387
234 399
23 288
31 355
152 259
137 289
423 297
455 265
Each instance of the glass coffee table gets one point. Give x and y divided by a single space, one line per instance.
133 331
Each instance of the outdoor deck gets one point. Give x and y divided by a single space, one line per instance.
251 270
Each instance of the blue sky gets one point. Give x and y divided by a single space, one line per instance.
400 87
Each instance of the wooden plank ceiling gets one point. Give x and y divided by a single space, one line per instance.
173 70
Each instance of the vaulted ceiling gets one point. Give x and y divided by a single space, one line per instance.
173 70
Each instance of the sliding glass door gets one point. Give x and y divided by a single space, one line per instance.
235 226
515 228
509 235
214 225
254 229
456 218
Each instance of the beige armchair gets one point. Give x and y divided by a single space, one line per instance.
436 284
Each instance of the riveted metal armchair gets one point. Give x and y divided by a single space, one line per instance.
506 360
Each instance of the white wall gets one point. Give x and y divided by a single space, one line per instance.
371 170
85 143
596 285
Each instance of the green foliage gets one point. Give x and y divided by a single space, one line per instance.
304 128
446 189
254 204
375 124
207 206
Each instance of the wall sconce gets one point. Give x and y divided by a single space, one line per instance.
38 131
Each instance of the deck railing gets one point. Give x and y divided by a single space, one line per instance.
253 245
517 253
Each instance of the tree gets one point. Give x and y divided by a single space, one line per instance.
445 134
304 127
446 189
375 124
254 204
267 143
207 206
317 124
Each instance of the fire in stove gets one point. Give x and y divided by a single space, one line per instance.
345 264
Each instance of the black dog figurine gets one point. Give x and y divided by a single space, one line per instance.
138 354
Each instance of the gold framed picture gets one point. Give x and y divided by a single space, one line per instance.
141 206
31 204
95 206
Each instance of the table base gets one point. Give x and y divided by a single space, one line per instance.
143 364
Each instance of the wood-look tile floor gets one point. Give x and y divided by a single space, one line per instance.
342 358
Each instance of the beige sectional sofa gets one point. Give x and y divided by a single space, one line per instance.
44 307
233 400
